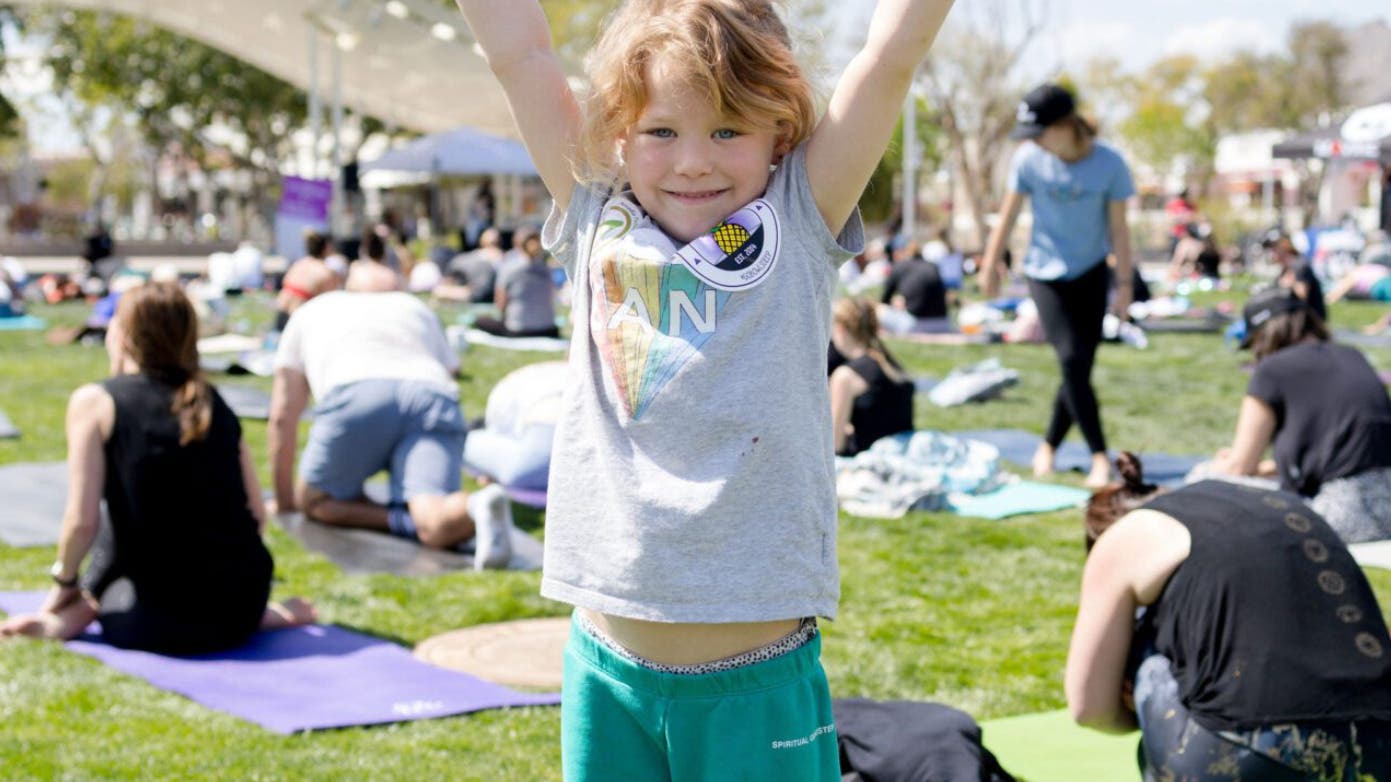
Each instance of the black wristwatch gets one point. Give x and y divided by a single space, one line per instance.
56 572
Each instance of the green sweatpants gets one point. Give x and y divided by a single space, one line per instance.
765 722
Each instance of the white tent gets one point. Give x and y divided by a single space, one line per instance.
459 152
410 63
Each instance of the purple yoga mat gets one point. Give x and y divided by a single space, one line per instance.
535 498
305 678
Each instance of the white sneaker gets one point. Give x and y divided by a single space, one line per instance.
491 512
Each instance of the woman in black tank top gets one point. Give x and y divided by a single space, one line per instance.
871 397
180 568
1232 626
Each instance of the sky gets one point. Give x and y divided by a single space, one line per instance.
1138 32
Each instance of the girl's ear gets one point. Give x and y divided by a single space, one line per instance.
619 147
781 148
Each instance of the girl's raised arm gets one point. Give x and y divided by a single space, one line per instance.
859 121
516 40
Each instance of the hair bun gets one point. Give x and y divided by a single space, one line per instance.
1132 472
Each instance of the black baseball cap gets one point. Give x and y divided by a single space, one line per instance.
1042 107
1265 305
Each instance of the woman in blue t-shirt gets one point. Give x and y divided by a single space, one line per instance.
1077 187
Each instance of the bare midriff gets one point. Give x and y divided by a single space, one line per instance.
689 644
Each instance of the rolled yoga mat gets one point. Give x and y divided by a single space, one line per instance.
304 678
1050 747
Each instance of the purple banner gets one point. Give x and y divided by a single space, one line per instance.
306 199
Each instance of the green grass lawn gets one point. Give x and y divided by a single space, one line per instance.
971 613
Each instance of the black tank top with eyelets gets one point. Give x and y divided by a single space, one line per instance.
1269 620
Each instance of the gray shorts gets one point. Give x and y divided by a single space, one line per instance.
415 431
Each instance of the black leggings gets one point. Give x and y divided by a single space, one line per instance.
200 619
1071 312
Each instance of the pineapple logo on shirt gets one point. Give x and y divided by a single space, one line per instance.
656 306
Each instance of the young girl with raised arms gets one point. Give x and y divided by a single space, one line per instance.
701 211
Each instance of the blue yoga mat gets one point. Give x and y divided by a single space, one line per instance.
304 678
1018 446
1018 498
22 323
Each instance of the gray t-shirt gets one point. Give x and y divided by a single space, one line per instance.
692 474
530 293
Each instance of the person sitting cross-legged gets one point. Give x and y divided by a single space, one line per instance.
180 567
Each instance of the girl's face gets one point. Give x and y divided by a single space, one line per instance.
689 165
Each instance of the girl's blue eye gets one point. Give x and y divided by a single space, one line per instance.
726 133
661 132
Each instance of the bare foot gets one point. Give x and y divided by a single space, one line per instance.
1100 474
1043 460
67 623
31 626
292 613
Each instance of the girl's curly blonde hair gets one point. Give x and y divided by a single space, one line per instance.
737 52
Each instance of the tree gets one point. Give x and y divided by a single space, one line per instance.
173 90
11 124
1249 91
1318 52
972 86
1169 124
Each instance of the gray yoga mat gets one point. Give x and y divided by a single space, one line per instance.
250 402
7 428
366 551
33 496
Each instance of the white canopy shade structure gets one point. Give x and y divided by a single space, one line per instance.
410 63
459 152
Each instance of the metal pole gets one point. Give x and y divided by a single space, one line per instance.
1268 197
910 165
337 211
315 105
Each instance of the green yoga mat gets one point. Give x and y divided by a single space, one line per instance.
1050 747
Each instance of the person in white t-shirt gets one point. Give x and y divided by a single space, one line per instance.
382 373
